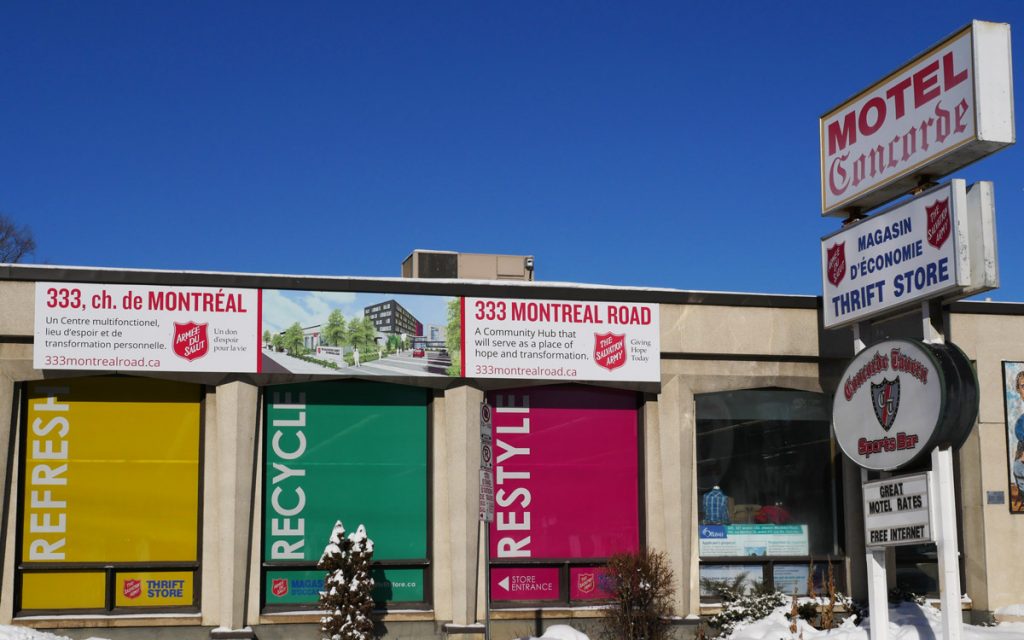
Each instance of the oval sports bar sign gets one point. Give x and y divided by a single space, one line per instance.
890 404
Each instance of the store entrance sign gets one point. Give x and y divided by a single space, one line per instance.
897 511
939 112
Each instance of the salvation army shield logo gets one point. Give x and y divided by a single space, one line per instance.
279 587
610 350
132 589
835 261
190 340
585 582
939 223
885 397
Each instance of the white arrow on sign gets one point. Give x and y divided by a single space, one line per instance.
503 583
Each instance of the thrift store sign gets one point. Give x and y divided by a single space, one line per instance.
941 111
940 244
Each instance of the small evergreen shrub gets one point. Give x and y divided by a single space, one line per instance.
347 598
642 587
739 605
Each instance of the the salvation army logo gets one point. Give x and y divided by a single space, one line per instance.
610 350
190 341
836 263
885 397
586 582
939 223
132 589
279 587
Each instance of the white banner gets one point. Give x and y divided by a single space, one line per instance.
893 259
562 340
146 328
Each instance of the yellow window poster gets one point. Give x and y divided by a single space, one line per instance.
153 589
111 471
70 590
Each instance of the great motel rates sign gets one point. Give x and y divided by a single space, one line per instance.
941 111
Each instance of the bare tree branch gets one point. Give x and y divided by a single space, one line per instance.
15 242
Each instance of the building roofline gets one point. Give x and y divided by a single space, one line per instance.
420 286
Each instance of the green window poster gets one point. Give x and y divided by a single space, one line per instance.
353 451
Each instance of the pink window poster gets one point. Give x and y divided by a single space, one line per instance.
566 476
525 583
589 583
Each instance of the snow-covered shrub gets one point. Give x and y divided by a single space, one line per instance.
740 605
347 598
642 587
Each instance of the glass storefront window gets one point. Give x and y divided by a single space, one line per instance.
109 504
353 451
765 474
567 490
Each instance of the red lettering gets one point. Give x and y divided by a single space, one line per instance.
841 135
926 82
950 78
878 105
896 92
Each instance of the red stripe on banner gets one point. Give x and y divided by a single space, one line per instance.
259 330
462 336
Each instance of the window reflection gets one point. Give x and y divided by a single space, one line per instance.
765 474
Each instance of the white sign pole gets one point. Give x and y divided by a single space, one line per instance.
946 541
878 589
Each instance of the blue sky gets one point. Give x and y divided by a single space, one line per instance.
665 144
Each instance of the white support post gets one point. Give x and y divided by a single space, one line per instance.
878 588
946 541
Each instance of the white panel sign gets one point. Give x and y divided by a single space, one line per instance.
559 339
897 511
146 328
942 111
940 244
486 464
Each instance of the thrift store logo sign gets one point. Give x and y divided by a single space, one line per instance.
888 405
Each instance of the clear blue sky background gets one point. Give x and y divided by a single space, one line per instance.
665 144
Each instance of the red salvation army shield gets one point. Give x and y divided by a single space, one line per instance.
190 340
132 589
939 223
836 263
585 582
610 350
279 587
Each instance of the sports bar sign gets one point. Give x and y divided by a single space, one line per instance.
941 111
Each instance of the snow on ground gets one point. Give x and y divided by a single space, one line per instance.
908 621
24 633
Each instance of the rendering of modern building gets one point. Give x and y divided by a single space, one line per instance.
393 319
160 480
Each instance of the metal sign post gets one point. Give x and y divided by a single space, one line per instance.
486 506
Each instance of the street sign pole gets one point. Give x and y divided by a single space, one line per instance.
486 506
